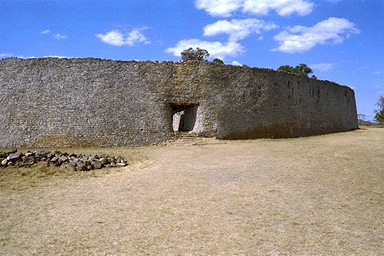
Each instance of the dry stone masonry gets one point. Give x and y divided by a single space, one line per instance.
52 102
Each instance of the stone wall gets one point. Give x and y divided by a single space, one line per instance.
278 105
92 102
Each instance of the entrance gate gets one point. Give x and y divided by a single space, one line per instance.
183 117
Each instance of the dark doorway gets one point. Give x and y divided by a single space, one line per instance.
183 117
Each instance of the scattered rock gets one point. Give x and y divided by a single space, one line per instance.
76 162
81 167
104 161
28 154
40 154
14 157
3 155
96 164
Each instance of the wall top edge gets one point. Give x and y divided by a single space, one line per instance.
180 62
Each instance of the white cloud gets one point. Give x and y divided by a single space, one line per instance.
323 67
47 56
215 49
378 72
136 36
222 8
302 39
58 56
238 29
115 37
225 8
58 36
236 63
282 7
6 55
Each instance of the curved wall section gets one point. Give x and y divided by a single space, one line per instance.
53 102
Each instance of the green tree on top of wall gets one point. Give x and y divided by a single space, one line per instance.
198 54
379 117
302 70
218 61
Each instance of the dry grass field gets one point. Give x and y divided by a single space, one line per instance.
321 195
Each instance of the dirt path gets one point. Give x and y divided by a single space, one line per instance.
305 196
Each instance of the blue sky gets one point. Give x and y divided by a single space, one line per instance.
341 40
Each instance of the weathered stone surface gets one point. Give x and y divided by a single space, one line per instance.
76 162
29 153
54 159
13 157
62 159
52 102
28 160
81 167
96 164
40 154
104 161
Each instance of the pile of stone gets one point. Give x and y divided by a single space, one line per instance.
76 162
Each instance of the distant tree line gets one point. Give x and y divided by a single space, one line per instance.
379 114
202 55
379 117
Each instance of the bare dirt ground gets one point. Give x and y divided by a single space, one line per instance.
321 195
